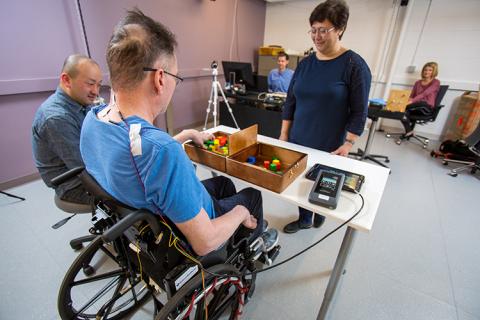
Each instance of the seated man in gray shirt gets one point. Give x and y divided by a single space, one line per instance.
58 122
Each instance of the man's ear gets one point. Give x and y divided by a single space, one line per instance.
159 81
66 80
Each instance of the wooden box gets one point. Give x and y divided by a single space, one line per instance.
236 141
242 145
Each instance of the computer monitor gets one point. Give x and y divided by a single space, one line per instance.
239 72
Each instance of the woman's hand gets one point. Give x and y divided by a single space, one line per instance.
344 149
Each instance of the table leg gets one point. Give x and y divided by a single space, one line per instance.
337 272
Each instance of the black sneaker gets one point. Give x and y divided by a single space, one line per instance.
318 220
294 226
270 239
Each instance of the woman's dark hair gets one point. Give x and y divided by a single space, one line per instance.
335 11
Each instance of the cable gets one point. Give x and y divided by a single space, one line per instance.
315 243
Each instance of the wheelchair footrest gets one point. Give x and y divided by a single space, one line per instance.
269 257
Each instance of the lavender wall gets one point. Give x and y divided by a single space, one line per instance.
47 31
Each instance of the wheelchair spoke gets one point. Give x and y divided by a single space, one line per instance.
107 275
99 295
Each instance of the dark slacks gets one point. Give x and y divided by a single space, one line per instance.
225 198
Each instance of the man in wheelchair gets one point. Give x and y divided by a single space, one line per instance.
143 167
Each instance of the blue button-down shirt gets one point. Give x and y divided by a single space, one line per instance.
56 137
279 81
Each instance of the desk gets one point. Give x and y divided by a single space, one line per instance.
297 194
248 110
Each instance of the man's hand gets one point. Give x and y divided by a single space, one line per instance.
344 149
250 222
197 137
200 137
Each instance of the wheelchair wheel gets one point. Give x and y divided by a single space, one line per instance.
112 293
225 293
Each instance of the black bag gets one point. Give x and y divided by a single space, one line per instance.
456 150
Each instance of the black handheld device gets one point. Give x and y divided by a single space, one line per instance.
326 189
353 181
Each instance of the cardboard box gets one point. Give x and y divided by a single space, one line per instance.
270 50
466 116
243 144
398 100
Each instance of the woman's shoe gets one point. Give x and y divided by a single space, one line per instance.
318 220
294 226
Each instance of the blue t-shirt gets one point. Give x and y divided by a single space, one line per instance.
279 81
168 184
327 98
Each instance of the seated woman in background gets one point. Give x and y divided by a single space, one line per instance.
422 98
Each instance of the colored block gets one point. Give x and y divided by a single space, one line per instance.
266 164
273 167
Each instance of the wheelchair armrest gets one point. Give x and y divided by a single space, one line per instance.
134 217
58 180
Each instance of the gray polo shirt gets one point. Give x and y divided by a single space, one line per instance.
56 137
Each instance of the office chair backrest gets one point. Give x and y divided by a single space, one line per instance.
441 93
473 141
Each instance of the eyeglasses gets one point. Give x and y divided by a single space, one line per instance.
178 79
321 31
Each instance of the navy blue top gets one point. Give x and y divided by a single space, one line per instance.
327 98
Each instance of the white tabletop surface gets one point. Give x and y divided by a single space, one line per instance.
297 192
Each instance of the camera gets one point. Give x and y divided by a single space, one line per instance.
214 65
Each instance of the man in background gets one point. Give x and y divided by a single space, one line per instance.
58 122
279 79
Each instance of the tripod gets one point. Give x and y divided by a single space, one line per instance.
213 100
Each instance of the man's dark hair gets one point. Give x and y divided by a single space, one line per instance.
70 65
138 41
283 54
335 11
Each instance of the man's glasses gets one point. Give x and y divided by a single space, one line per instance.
178 79
321 31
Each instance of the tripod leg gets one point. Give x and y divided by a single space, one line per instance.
228 105
12 195
208 108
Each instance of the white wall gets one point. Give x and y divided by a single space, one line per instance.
450 37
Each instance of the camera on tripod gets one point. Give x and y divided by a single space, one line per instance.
214 65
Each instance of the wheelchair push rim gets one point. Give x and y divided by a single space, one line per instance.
111 294
224 288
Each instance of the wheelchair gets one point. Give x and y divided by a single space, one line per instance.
145 257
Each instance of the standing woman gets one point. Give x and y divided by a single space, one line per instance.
326 106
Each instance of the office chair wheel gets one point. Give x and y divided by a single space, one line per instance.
398 141
453 174
88 270
387 160
113 293
76 246
224 288
445 163
473 171
424 146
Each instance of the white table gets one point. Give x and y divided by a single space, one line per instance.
297 194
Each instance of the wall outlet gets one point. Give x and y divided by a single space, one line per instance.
411 69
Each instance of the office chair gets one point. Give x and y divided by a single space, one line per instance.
422 119
473 142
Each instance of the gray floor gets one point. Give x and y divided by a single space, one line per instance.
421 261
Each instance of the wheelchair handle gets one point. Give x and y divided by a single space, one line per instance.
136 216
58 180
